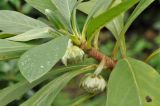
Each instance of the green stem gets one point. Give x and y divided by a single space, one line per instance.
115 51
96 40
100 67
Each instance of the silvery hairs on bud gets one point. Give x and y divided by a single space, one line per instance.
93 83
73 54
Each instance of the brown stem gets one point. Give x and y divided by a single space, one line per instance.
110 63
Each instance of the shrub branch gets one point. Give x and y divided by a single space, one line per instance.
96 54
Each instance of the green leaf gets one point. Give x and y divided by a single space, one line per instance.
47 94
39 60
62 10
94 7
74 23
86 7
16 23
35 33
10 49
15 91
98 7
152 55
82 99
98 100
65 7
41 5
15 3
26 8
5 35
117 24
133 83
72 4
101 20
143 4
56 19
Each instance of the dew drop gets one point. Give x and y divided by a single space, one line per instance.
48 63
42 66
22 63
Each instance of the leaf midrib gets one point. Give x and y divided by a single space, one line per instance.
15 47
13 89
135 81
67 8
26 25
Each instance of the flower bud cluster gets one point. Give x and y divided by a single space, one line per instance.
73 54
93 83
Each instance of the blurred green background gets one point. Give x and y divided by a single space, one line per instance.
142 38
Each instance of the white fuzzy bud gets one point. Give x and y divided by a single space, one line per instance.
73 54
93 83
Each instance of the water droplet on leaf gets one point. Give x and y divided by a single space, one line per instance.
42 66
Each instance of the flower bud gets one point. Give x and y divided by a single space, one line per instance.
93 83
73 54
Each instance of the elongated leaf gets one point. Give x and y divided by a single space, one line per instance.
72 4
98 8
38 61
16 23
152 55
53 14
65 7
10 49
86 7
82 99
94 7
74 23
101 20
16 3
35 33
133 83
47 94
117 24
15 91
56 19
5 35
143 4
41 5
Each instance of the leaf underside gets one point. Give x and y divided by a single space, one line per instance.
37 61
11 49
14 22
47 94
